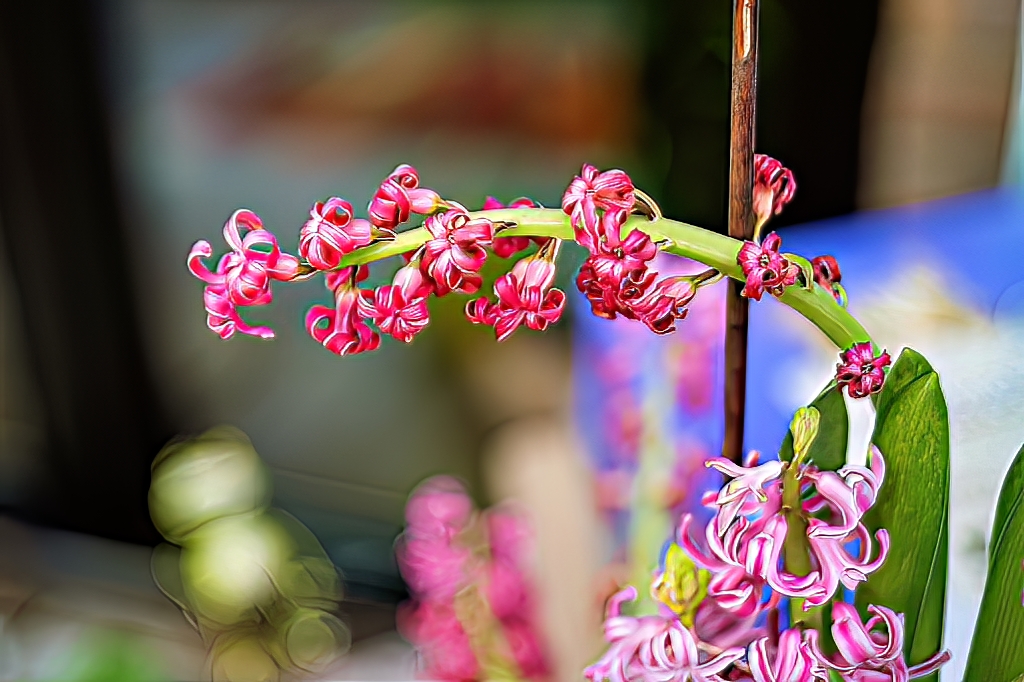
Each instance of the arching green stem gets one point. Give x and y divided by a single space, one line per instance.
710 248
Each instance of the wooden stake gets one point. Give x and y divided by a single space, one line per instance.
741 215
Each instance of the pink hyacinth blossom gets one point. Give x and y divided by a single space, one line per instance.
836 566
848 493
243 276
774 187
608 299
253 263
791 660
524 296
399 196
342 330
222 316
744 492
454 255
614 256
653 649
332 232
765 268
506 247
723 627
872 651
665 303
593 190
860 371
399 309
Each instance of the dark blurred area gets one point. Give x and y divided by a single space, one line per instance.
130 129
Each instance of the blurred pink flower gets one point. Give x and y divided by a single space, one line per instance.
400 195
454 255
442 644
860 371
243 276
774 187
331 232
524 296
765 268
341 329
400 308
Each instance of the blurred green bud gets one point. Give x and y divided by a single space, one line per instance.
311 581
804 428
230 566
313 639
195 481
242 659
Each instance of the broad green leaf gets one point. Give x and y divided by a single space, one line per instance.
828 451
1008 503
912 432
997 651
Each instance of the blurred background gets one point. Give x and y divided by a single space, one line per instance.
131 128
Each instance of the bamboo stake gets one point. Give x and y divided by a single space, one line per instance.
741 215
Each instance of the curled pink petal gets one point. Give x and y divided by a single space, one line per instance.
332 232
399 196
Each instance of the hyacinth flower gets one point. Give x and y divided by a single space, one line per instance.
472 606
765 269
242 277
399 196
774 187
331 232
860 371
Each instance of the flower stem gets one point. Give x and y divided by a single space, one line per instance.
709 248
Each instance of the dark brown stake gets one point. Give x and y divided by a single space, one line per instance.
741 215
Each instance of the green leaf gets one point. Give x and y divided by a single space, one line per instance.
828 451
996 651
912 432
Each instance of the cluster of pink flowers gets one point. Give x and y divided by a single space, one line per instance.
450 261
472 607
617 277
745 548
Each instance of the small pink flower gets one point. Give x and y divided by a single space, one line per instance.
665 303
524 296
506 247
765 268
454 255
848 493
592 190
860 371
774 187
222 316
400 195
790 661
331 232
399 309
653 649
610 299
745 492
243 276
614 257
872 651
342 330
